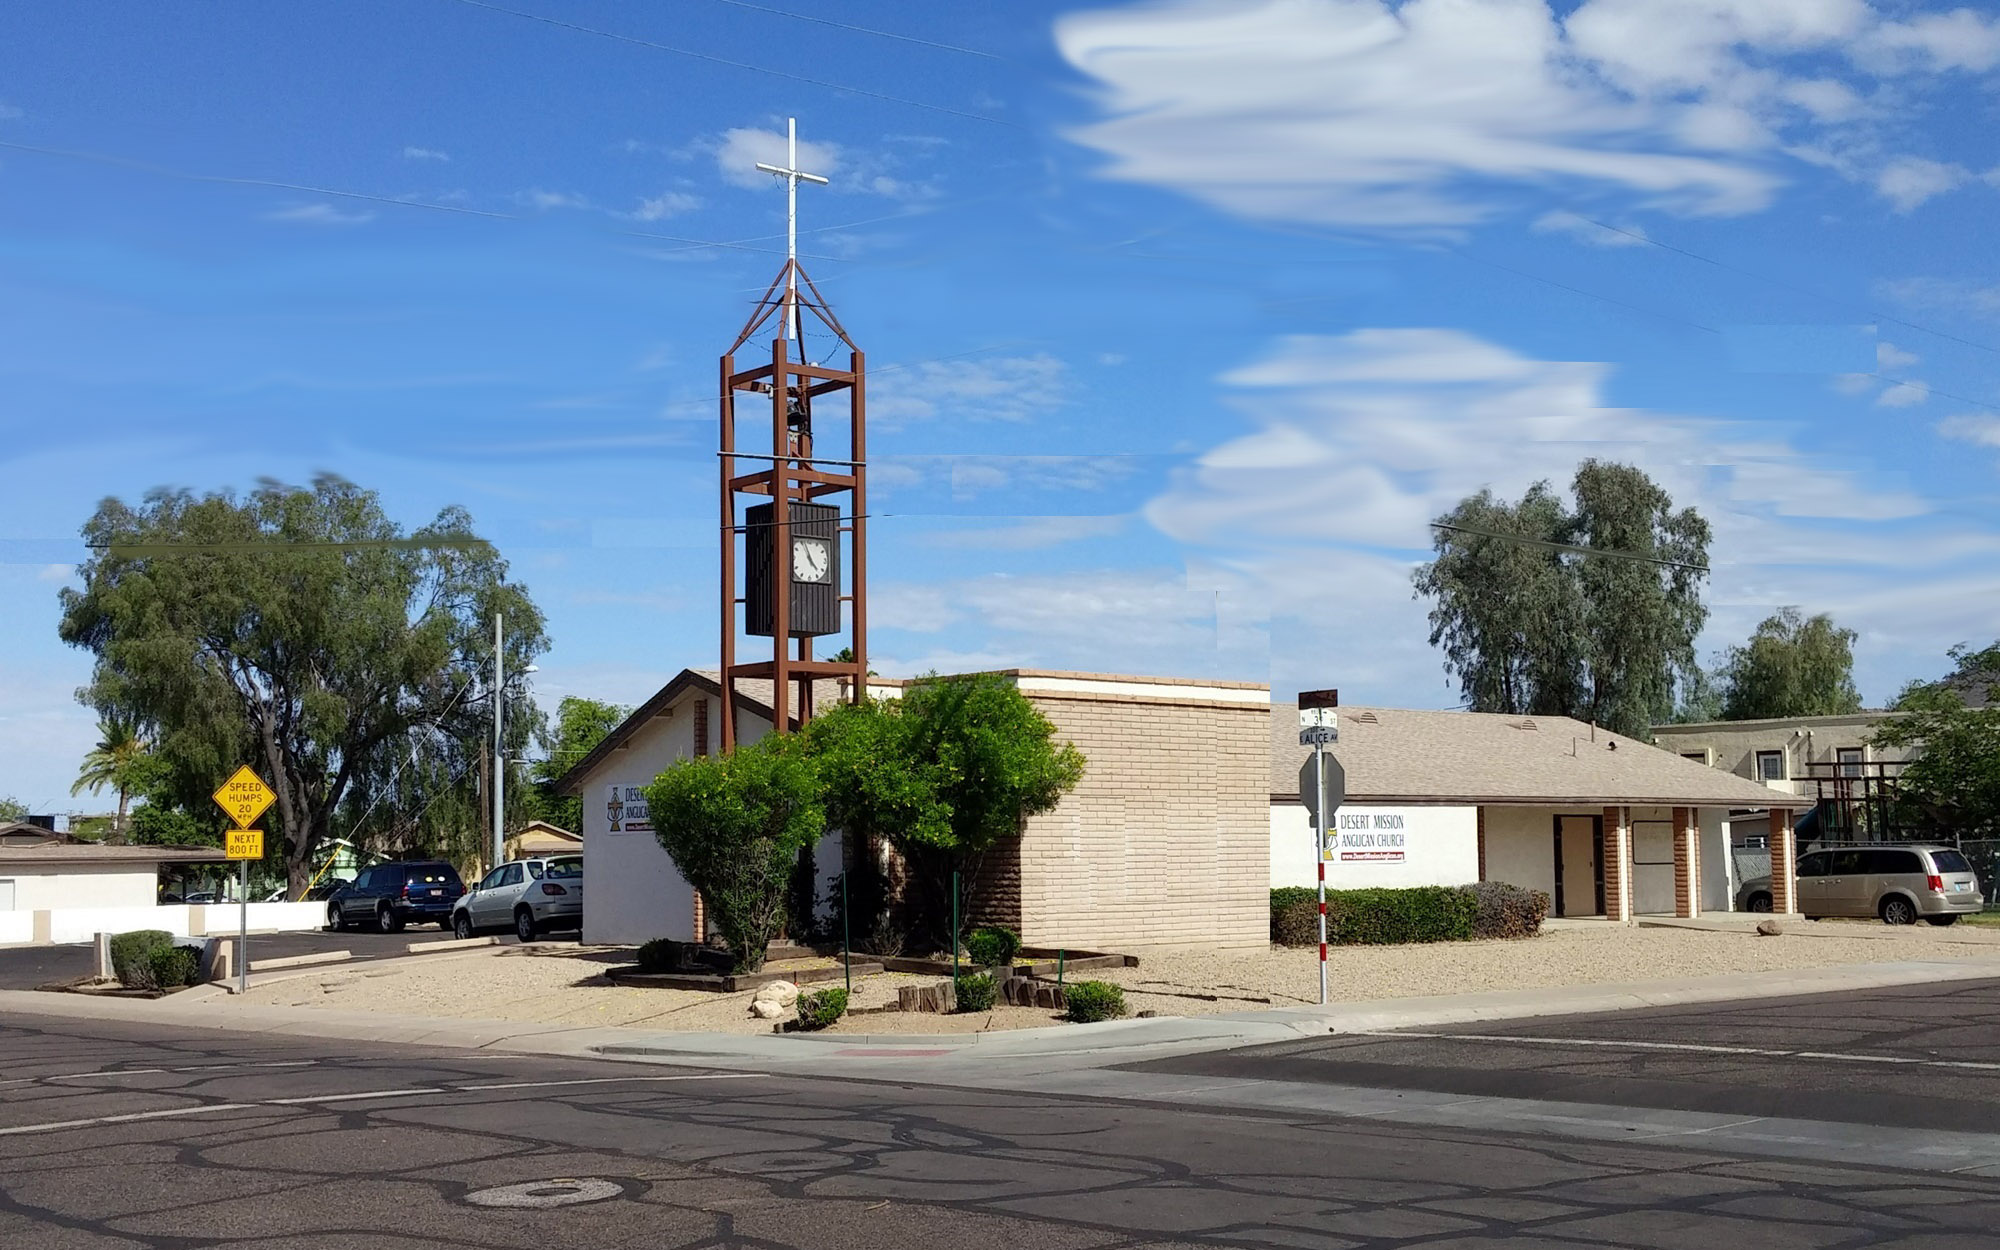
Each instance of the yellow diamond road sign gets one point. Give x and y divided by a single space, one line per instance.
244 796
244 843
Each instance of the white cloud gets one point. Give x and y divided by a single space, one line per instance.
9 113
1979 431
319 214
1029 534
543 200
1008 388
1889 356
425 154
666 204
739 151
1907 181
1903 395
1355 442
1429 114
1584 230
55 573
1953 294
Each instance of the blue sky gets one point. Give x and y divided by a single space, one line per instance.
1184 317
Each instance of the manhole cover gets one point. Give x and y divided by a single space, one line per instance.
562 1191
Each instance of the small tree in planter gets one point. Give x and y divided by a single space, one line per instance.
946 773
735 825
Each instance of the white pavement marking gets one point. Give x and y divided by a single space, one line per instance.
124 1119
318 1099
1700 1048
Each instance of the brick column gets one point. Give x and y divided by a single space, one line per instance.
1618 864
1784 857
1684 869
1694 858
1481 810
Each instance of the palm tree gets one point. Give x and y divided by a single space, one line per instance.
113 762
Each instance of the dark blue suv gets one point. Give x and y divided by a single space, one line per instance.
393 895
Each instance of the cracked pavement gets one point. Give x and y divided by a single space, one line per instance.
125 1134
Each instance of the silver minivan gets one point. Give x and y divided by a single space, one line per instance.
1898 884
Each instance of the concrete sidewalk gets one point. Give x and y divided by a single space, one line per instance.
1047 1049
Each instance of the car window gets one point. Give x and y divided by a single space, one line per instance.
366 881
1950 861
1888 862
433 874
490 880
1843 863
511 875
1813 865
535 869
566 867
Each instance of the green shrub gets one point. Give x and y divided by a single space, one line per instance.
175 966
975 992
1506 911
993 947
816 1011
1294 916
132 956
1427 913
659 955
1093 1000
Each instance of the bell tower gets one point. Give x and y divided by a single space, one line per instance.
794 564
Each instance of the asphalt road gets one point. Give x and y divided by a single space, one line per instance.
125 1135
1923 1057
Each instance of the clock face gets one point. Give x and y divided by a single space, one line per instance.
812 560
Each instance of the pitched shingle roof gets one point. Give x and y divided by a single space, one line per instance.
1395 755
92 853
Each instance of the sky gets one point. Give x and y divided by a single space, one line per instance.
1183 317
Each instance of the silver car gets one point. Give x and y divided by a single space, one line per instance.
1898 884
530 896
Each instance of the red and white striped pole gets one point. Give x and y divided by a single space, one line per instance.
1319 767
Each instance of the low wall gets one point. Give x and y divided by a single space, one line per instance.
82 924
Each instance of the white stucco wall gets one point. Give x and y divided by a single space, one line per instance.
1716 892
46 888
1436 845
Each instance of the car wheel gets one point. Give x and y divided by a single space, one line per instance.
335 921
524 925
1760 902
1941 921
461 926
388 921
1898 911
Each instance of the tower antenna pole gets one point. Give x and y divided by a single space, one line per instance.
793 176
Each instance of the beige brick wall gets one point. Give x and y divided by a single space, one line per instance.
1167 838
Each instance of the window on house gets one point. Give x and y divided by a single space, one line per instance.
1770 766
1850 760
1699 757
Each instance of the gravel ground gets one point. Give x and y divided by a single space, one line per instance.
565 984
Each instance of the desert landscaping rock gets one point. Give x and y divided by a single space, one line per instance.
566 985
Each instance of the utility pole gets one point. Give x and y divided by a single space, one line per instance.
499 746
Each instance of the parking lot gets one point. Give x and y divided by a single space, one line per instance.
1924 1056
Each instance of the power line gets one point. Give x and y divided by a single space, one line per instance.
163 171
719 60
1549 545
861 30
1792 287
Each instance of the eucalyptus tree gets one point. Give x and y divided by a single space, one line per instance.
1587 609
302 631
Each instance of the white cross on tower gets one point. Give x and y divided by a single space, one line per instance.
792 175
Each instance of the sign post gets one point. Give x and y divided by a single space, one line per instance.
244 797
1319 726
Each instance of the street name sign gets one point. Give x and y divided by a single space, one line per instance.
244 797
244 843
1319 735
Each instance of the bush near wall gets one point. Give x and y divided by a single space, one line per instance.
132 956
1431 913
